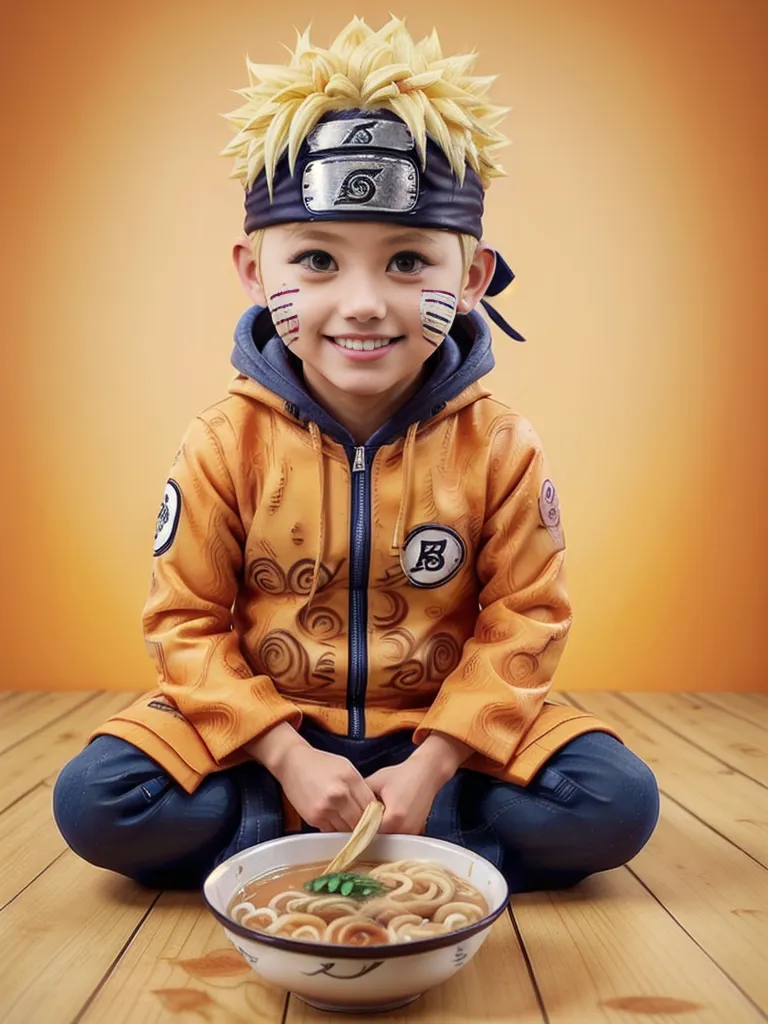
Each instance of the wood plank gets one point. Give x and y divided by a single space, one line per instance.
60 936
604 957
495 986
751 706
25 765
34 711
17 698
717 893
732 804
17 701
29 842
181 967
606 950
737 743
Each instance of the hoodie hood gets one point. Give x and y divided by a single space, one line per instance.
463 358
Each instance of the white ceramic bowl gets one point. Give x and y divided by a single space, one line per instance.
354 978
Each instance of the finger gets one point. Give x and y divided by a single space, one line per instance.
386 822
350 811
343 808
386 826
361 793
394 824
350 815
333 822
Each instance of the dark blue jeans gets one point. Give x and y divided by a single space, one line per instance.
592 807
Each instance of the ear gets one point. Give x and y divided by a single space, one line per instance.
248 271
479 275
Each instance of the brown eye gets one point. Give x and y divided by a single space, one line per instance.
408 263
316 260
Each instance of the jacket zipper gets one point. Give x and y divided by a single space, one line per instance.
359 557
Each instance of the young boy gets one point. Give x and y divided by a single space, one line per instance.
358 587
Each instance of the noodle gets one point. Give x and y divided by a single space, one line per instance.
421 900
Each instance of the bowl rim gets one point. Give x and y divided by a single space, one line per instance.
375 952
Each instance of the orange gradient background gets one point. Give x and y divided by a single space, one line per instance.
634 214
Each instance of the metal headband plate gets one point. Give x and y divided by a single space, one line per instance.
372 132
387 184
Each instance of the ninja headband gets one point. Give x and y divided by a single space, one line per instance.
363 165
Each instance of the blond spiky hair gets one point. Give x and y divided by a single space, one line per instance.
362 68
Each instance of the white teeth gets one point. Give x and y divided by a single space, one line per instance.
361 346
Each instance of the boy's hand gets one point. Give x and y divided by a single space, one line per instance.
408 790
407 793
326 790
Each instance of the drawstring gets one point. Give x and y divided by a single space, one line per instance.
410 444
317 446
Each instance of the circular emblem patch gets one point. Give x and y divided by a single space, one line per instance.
168 517
432 555
549 506
549 510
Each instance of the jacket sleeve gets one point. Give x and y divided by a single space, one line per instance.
506 668
187 619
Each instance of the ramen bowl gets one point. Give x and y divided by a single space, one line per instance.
350 978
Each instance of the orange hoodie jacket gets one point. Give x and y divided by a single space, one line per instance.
264 607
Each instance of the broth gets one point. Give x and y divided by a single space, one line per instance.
415 899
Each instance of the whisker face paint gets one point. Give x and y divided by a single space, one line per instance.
285 316
438 310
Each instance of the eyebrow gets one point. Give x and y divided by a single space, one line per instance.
321 235
317 233
403 237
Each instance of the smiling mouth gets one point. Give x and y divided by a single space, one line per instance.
364 344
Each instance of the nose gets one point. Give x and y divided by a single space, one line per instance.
362 297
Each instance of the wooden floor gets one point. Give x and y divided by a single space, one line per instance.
681 933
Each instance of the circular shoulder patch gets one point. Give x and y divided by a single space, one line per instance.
549 504
432 555
168 517
549 510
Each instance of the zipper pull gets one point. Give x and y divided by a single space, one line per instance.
359 464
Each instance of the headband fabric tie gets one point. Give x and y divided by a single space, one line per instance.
363 166
502 278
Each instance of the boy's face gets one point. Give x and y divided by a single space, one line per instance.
363 305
